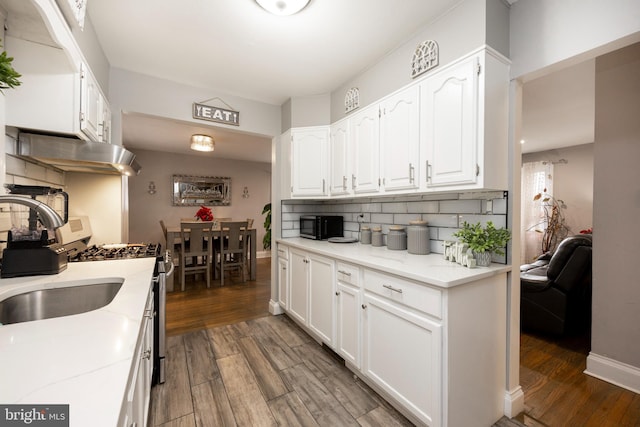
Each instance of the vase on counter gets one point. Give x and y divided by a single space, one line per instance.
418 238
397 238
377 239
483 259
365 235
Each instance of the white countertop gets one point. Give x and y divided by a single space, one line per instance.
432 269
83 360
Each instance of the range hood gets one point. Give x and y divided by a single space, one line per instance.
76 155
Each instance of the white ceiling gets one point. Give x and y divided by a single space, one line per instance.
235 47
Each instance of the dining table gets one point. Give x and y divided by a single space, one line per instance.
174 235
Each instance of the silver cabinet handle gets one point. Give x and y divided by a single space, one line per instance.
344 182
411 173
346 273
391 288
323 185
428 172
353 182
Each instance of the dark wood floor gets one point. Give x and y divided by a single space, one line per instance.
557 392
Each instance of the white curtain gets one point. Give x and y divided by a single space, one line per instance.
537 177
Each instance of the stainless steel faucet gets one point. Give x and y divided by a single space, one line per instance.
48 217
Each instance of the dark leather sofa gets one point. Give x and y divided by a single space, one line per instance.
556 289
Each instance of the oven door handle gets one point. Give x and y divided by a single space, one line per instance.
170 272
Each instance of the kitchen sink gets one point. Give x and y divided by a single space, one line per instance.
57 302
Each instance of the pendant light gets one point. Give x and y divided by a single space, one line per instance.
283 7
202 142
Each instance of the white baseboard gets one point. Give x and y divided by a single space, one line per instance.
274 308
513 402
614 372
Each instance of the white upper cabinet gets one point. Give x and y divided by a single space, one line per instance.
464 125
365 140
400 140
449 131
309 158
95 114
340 164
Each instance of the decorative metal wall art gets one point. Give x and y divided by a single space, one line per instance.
352 99
424 58
201 190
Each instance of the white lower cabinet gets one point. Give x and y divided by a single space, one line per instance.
283 277
139 391
402 355
437 353
311 292
348 302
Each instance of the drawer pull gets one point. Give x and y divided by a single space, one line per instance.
346 273
364 306
391 288
337 293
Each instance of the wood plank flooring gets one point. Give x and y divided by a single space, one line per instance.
262 372
231 363
559 393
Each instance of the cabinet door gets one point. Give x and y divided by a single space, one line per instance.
283 283
399 139
309 156
298 285
402 354
321 297
348 323
90 106
340 159
365 138
449 125
105 122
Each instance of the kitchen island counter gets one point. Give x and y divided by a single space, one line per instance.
83 360
432 269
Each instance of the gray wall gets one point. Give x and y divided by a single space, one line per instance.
146 210
547 33
458 32
616 210
572 182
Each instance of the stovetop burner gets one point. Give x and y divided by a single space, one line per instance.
110 252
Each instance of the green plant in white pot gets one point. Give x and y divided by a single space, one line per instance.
483 241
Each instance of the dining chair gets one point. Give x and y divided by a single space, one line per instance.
196 256
175 245
232 248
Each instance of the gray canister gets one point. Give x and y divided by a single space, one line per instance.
377 239
365 235
397 238
418 238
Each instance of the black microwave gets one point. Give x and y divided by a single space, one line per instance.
321 227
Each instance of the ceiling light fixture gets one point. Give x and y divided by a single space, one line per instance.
202 142
283 7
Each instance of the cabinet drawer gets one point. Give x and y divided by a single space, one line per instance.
411 294
347 273
283 252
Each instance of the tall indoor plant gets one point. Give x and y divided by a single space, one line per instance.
266 240
552 225
483 241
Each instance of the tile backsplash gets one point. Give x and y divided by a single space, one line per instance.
444 213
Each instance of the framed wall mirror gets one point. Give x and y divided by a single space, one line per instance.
201 190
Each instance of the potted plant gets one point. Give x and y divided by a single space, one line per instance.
552 226
8 76
266 240
483 241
